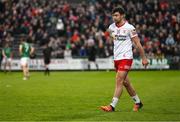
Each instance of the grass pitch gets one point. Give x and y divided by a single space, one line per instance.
77 96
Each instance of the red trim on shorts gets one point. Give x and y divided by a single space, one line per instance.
123 65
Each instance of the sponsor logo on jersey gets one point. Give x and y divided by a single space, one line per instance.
120 37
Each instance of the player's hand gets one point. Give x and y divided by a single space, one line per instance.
113 36
145 62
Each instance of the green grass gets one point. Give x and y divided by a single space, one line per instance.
75 96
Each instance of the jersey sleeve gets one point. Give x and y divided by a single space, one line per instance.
133 32
110 30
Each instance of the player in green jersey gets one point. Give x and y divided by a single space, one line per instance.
7 57
25 50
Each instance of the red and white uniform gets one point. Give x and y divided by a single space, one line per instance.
123 54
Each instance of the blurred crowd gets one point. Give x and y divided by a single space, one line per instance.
70 28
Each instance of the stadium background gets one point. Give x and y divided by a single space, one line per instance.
83 22
157 23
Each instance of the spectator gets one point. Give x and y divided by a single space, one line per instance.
67 53
42 19
91 51
60 27
82 52
170 40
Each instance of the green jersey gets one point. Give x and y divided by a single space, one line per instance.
7 51
26 48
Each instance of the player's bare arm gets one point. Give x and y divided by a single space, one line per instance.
32 50
137 43
3 53
20 49
112 36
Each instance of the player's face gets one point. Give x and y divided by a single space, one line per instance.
117 17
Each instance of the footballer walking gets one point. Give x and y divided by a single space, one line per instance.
124 35
7 57
25 50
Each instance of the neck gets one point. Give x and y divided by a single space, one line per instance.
121 23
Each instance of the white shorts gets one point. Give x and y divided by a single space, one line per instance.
24 61
6 60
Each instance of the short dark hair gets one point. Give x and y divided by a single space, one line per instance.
119 9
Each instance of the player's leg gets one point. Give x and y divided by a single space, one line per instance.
9 64
45 66
48 72
47 62
120 78
27 71
24 68
24 72
5 66
89 65
46 69
130 89
122 68
96 64
27 68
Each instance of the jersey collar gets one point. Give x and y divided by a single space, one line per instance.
120 25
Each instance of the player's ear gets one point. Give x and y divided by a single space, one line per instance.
123 15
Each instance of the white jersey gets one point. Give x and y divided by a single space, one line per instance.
122 40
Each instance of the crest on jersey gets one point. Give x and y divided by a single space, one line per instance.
118 31
124 31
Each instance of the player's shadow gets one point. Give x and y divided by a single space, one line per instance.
149 111
97 114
